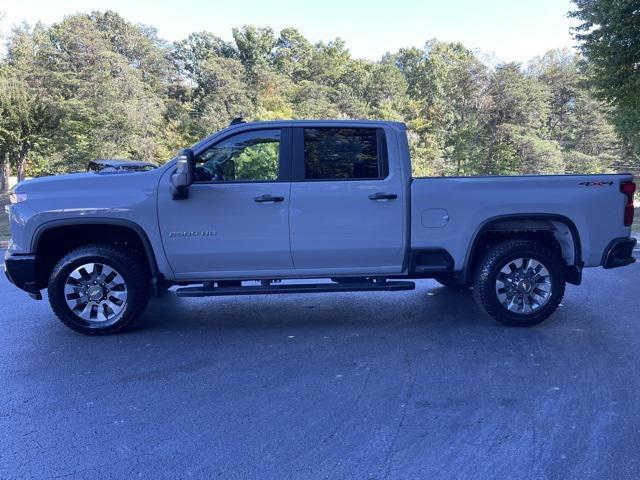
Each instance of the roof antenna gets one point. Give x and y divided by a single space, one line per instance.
237 121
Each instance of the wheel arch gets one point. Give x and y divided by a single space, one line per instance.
104 224
527 224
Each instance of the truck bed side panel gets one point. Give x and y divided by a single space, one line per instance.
448 212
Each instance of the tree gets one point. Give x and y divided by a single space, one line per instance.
518 108
446 84
559 71
592 143
349 96
255 47
29 115
385 91
577 119
313 101
139 45
190 54
609 36
220 96
112 106
95 85
461 80
329 63
292 55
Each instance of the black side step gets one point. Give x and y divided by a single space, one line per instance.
295 288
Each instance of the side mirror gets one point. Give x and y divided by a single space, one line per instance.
183 176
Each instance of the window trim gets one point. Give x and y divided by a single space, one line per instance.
297 147
284 156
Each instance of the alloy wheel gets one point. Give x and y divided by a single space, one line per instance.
96 293
523 285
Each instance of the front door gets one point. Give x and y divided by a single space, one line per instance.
235 219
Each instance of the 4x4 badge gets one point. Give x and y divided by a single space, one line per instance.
596 184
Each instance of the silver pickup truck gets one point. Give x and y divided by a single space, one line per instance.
256 207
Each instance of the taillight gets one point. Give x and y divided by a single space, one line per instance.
628 188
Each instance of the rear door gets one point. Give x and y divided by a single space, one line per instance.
347 202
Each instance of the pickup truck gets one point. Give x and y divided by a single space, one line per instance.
257 208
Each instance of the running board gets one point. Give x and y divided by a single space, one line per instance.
295 288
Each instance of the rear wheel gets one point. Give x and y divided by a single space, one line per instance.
98 289
520 282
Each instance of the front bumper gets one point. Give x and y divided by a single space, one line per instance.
619 253
21 271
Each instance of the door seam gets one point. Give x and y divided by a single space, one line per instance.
293 263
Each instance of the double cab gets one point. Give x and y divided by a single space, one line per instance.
257 207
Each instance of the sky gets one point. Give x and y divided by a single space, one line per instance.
503 30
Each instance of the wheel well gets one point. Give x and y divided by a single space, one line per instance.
555 233
55 242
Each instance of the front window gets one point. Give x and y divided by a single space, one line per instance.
247 157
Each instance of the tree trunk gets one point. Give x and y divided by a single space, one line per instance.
20 167
21 163
4 173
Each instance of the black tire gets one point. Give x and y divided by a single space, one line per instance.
452 282
128 267
498 257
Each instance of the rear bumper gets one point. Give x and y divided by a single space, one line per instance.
619 253
21 271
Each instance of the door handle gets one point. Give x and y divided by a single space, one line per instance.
268 198
383 196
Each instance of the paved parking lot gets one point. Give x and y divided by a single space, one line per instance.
367 386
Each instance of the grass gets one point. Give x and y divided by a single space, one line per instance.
4 218
636 220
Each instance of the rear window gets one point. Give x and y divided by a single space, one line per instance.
344 153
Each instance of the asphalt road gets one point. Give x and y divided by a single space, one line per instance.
340 386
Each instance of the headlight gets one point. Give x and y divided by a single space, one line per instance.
17 197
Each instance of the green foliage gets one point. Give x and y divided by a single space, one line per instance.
251 160
95 85
220 96
29 112
609 36
292 55
255 46
258 162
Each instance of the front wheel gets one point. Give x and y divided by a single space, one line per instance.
98 289
520 282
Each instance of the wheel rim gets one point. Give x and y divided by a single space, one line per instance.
523 285
96 293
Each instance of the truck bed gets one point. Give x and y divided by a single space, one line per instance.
446 212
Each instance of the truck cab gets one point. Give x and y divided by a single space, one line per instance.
291 200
